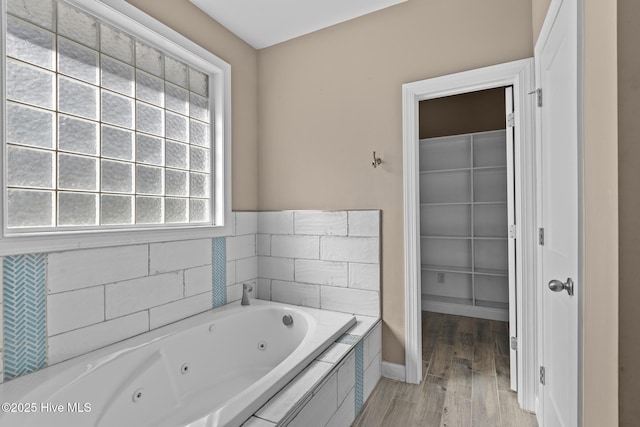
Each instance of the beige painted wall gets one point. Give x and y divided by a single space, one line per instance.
600 370
538 12
629 205
185 18
479 111
328 99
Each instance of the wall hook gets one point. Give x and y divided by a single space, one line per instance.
376 160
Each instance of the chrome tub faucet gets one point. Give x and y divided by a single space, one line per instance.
246 288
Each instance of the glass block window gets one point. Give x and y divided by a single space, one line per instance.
103 130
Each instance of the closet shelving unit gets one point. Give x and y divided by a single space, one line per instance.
464 224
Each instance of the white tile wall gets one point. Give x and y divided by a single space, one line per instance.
351 249
74 309
279 405
321 223
84 340
354 301
246 269
295 246
231 273
347 377
246 223
241 247
346 412
295 293
349 255
197 280
364 276
275 268
140 294
264 244
71 270
372 345
364 223
321 407
371 376
322 272
264 289
275 222
174 311
174 256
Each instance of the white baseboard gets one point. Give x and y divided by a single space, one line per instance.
465 310
394 371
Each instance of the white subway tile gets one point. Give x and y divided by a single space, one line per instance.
246 223
372 345
258 422
280 404
173 256
351 249
264 244
347 300
234 292
139 294
334 353
178 310
232 223
246 269
264 289
321 272
75 309
295 246
231 273
241 247
70 270
295 293
81 341
323 404
364 276
197 280
371 377
346 412
280 222
275 268
347 376
364 223
321 223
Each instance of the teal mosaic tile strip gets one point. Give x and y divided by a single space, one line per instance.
219 261
348 339
359 376
25 314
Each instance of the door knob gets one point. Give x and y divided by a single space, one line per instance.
558 286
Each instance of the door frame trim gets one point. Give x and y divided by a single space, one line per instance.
519 74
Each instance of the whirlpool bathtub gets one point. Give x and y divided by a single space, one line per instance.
213 369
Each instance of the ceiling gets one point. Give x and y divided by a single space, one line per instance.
263 23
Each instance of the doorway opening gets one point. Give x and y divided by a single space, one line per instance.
475 233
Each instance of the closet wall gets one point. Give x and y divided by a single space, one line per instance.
463 196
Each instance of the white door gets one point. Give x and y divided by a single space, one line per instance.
511 248
556 57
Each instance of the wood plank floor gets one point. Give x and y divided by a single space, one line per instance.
466 380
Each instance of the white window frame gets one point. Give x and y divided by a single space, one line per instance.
142 26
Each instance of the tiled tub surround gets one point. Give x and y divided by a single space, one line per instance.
321 259
96 297
181 371
332 389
